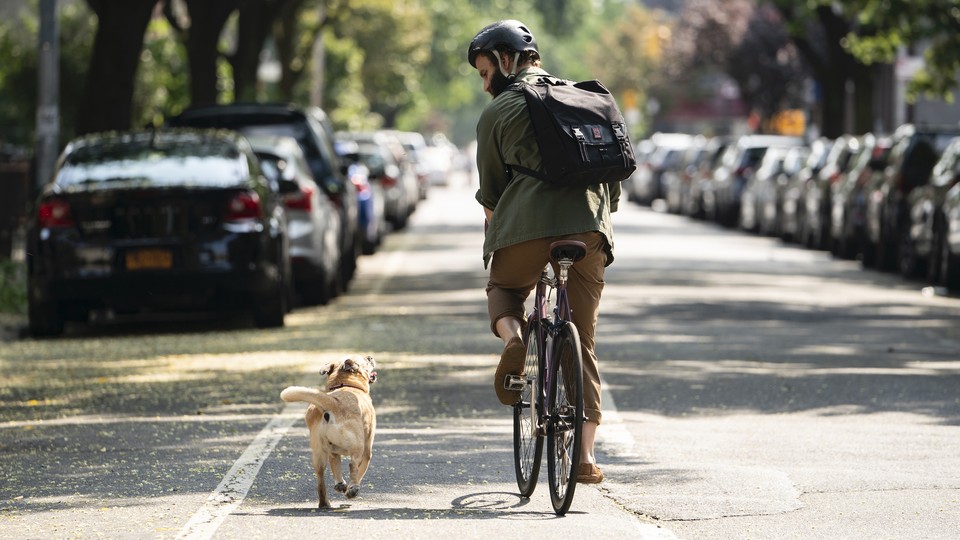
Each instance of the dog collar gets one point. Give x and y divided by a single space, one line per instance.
339 386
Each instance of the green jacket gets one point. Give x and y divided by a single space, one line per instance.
525 208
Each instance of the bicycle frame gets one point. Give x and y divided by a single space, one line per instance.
547 327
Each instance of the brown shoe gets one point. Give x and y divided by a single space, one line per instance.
589 473
511 363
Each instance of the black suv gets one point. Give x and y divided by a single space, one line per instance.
311 128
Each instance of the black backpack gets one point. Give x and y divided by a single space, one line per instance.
580 132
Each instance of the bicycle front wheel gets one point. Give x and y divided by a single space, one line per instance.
527 442
565 414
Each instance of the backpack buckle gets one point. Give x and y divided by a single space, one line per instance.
578 133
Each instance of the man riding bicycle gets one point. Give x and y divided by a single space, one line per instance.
525 215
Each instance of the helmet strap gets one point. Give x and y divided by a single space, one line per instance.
516 58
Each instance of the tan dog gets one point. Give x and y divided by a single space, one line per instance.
342 422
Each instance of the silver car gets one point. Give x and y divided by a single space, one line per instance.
313 221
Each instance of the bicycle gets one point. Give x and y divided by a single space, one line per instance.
551 386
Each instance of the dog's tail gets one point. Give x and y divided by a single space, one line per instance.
307 394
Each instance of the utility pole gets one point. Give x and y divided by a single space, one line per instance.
48 100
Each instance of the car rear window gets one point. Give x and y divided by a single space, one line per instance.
189 162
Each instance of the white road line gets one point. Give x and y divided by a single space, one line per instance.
614 437
235 485
616 440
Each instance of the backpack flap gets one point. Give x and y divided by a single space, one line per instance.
580 132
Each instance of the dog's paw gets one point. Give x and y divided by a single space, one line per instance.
341 487
353 492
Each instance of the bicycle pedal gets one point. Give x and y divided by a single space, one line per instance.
514 382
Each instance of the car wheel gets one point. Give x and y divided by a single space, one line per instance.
949 267
270 308
886 252
907 261
316 291
936 252
45 319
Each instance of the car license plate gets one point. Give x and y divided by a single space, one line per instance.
149 259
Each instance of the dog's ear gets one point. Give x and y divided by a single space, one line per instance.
373 363
328 370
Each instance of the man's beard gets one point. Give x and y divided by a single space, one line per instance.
499 83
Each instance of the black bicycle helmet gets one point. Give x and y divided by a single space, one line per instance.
512 34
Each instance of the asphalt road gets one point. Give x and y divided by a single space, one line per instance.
753 390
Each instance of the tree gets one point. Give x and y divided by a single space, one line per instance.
884 27
108 91
767 66
18 72
819 31
201 35
395 38
628 56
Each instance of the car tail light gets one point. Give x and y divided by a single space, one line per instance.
55 213
388 181
361 184
244 206
301 200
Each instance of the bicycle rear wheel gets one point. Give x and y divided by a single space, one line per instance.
527 442
565 413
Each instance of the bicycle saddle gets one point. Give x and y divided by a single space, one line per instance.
568 249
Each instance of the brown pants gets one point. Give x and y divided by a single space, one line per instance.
515 271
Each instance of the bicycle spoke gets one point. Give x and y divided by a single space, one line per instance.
566 418
528 445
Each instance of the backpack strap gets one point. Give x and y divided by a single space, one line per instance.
525 87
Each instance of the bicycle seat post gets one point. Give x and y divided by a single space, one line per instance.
564 265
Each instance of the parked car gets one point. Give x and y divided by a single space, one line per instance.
921 247
428 164
914 152
677 179
646 182
157 221
848 203
770 200
642 150
311 128
313 222
815 229
372 216
700 178
949 273
760 185
792 208
385 157
721 197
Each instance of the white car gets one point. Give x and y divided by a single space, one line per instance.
313 221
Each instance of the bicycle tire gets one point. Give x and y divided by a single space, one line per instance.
527 441
565 413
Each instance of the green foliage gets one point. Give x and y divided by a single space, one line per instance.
18 70
162 87
886 27
13 287
395 38
346 103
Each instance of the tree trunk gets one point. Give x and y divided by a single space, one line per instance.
286 37
255 24
206 23
108 92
